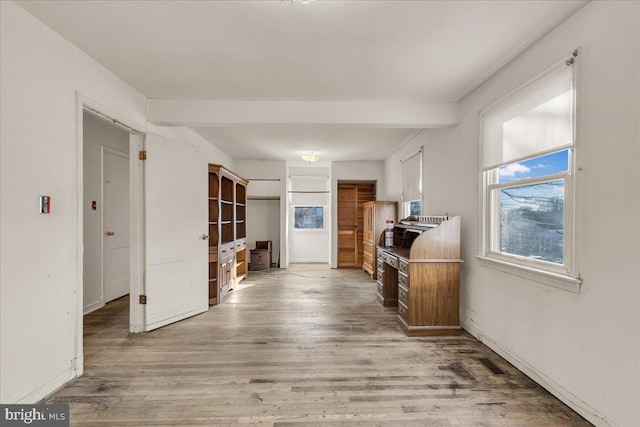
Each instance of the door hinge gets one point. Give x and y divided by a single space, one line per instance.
143 299
143 155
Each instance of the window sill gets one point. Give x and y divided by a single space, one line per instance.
560 281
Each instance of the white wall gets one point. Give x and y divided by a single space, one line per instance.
41 74
583 347
41 297
261 223
96 134
353 171
182 135
442 167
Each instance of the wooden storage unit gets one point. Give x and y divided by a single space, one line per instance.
426 263
227 231
375 217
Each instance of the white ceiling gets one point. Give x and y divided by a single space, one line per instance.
269 50
288 142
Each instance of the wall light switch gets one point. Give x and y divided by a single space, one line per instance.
45 204
94 206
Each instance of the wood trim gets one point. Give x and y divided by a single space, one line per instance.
429 331
263 198
227 171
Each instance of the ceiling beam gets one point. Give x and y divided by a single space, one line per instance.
367 114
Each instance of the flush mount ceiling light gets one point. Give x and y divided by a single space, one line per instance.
300 2
310 156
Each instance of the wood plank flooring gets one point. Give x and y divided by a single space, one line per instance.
303 347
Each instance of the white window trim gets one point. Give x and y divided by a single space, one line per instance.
296 230
567 276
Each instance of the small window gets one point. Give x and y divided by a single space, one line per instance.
412 208
308 217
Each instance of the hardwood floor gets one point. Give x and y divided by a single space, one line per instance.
306 347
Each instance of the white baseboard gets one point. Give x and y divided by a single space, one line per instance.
571 400
93 306
48 388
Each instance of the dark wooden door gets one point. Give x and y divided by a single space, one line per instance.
351 197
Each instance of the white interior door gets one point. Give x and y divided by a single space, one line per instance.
176 213
116 239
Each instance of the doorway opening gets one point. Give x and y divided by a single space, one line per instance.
106 213
110 226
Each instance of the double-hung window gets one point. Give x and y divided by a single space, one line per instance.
528 181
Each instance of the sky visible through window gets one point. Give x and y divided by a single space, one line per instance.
533 168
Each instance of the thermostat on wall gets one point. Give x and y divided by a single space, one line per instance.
45 204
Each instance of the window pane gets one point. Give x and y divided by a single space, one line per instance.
309 217
533 168
415 208
532 221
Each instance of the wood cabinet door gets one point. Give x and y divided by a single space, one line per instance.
351 198
347 224
368 221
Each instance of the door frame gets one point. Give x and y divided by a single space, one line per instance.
137 132
127 156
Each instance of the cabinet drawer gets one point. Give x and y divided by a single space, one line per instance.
403 294
379 288
380 265
403 266
403 279
380 272
227 252
402 310
240 245
392 261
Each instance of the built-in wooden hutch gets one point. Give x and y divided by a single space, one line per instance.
227 231
420 275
